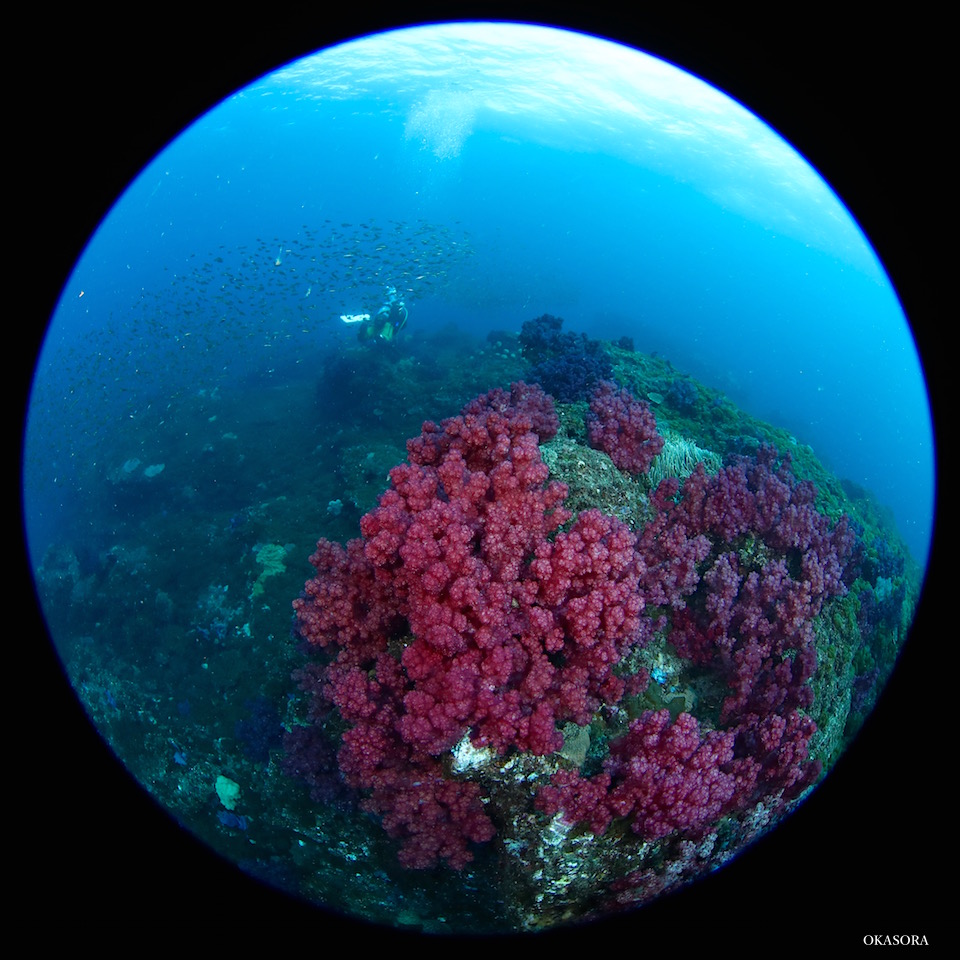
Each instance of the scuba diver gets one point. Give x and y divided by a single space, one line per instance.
390 319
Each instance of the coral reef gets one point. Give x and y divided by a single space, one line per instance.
743 594
598 685
510 632
477 620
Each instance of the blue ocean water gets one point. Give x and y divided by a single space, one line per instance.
610 190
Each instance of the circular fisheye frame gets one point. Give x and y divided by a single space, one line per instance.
478 478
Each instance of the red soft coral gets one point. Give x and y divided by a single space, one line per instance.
624 428
502 632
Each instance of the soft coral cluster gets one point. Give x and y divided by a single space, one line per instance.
476 606
776 562
771 562
458 613
567 365
623 427
664 776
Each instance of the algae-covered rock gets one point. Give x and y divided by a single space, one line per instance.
270 557
228 791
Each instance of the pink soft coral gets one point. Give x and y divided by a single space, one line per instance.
624 428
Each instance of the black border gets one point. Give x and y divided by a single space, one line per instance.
97 96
